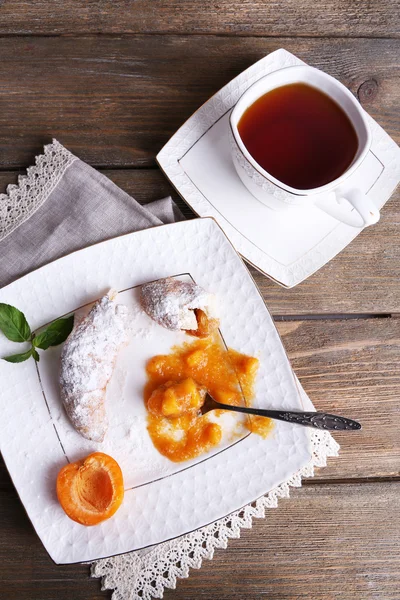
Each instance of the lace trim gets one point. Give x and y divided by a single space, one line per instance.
23 200
143 575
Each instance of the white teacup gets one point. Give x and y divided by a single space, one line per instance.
355 208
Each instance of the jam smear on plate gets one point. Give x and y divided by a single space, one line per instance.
176 388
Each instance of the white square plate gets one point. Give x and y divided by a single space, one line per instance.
286 246
162 499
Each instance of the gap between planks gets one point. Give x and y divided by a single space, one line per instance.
7 487
352 480
18 170
334 316
127 34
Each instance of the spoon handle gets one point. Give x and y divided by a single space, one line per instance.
308 419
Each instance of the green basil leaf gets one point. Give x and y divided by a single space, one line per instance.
35 355
18 358
14 324
55 334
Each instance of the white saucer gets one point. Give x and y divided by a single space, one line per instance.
286 246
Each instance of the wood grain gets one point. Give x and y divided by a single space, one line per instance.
115 101
363 278
240 17
26 570
349 367
327 542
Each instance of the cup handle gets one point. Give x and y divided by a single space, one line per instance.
362 204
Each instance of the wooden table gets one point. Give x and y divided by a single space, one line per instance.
113 81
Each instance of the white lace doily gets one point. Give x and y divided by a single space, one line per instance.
144 574
22 200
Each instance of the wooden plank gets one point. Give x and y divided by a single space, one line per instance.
325 542
115 101
246 17
26 570
364 278
349 367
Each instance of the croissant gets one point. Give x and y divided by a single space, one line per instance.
87 363
176 304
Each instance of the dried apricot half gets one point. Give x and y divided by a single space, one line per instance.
92 489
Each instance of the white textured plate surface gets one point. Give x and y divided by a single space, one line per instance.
290 245
171 499
127 439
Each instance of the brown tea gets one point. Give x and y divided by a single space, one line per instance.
299 135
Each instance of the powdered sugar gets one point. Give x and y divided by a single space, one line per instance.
87 363
171 302
127 439
144 333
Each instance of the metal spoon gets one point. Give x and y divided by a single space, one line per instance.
308 419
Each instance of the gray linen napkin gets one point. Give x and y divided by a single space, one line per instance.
63 205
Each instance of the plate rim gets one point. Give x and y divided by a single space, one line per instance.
284 275
177 224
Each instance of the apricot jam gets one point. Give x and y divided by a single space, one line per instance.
173 399
175 391
205 325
